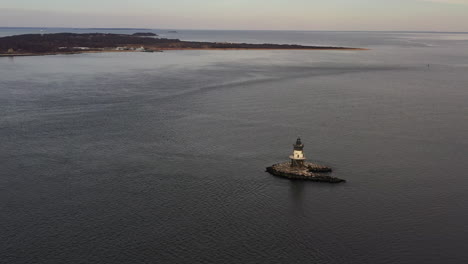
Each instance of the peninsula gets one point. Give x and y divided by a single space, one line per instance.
299 169
145 34
71 43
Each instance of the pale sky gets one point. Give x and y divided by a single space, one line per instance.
428 15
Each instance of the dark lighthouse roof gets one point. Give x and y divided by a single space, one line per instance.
298 145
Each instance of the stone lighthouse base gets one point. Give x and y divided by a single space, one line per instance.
309 172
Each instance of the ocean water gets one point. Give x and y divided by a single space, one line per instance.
160 157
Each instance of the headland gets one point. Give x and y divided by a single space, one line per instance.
71 43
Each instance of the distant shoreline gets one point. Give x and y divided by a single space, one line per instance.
248 30
71 43
167 49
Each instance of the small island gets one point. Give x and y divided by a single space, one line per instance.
299 169
71 43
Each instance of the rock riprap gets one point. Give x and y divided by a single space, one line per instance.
309 172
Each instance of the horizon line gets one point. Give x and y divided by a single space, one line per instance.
207 29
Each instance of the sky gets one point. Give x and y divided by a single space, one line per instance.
406 15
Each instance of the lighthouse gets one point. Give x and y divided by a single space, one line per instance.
299 169
298 158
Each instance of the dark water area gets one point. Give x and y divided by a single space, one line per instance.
160 157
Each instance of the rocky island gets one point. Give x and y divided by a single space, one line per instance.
299 169
71 43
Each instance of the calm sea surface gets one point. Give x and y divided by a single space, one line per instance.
160 157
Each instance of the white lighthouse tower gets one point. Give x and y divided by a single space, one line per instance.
298 158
